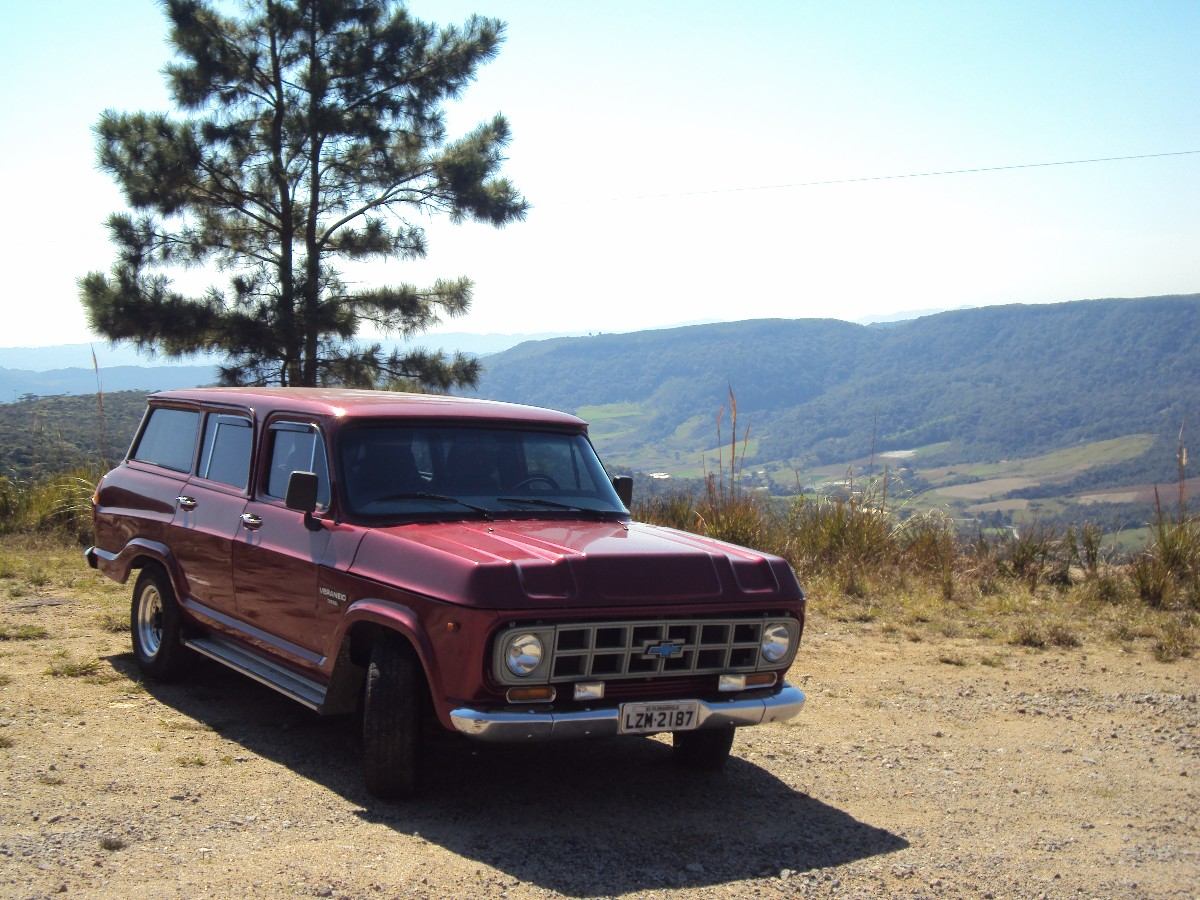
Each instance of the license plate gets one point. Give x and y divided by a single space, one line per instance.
667 715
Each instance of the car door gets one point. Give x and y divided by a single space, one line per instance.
278 555
208 516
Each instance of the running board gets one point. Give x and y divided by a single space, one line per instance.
265 671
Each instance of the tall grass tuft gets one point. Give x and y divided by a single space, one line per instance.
725 512
675 510
1170 566
60 503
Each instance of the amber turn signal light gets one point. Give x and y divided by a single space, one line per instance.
540 694
761 679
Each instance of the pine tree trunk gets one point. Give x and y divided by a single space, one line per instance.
290 364
313 260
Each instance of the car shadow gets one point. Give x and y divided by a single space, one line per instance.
580 818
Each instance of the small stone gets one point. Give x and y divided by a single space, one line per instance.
325 892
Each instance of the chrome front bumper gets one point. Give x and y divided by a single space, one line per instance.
542 726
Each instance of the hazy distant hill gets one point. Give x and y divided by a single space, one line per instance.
969 385
64 356
16 382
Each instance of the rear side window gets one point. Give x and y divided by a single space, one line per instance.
297 447
225 454
169 439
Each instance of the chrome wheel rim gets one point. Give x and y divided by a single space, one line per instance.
149 621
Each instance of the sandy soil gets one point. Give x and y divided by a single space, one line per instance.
1017 774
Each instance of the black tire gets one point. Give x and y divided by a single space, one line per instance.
156 626
392 720
707 750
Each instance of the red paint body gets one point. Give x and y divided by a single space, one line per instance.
296 592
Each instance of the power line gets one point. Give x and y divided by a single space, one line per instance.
864 178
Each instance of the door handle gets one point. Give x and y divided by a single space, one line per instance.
186 502
251 521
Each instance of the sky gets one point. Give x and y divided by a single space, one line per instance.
670 152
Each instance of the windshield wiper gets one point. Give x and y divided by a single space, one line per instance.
444 498
554 504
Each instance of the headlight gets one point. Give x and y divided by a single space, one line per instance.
524 654
776 641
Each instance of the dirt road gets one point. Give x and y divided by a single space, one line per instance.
1013 774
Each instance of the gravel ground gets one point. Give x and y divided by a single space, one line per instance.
1014 774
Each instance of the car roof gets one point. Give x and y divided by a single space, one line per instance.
347 403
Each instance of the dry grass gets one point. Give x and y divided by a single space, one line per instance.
66 667
114 623
1175 641
24 632
60 504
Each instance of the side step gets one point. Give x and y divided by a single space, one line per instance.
265 671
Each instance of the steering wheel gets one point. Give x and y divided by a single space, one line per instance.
536 479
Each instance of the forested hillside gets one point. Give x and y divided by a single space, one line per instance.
47 435
986 383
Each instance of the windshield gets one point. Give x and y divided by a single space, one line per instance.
413 470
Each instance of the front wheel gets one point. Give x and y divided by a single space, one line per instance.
392 720
156 626
708 749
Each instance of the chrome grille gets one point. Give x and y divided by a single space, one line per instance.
601 651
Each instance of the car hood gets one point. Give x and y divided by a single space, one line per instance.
524 564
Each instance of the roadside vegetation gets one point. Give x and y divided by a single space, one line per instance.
862 558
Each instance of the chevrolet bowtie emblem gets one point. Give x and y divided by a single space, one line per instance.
663 649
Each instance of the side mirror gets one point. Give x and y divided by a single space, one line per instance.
302 492
623 485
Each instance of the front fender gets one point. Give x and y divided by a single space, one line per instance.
404 621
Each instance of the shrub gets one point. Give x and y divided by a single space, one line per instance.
673 510
1028 553
1028 634
1174 641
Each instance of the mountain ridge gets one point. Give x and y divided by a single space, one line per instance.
990 382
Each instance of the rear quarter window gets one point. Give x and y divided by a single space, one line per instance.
225 453
169 438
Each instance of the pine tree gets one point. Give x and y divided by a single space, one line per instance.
311 132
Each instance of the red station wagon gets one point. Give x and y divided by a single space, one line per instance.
434 561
